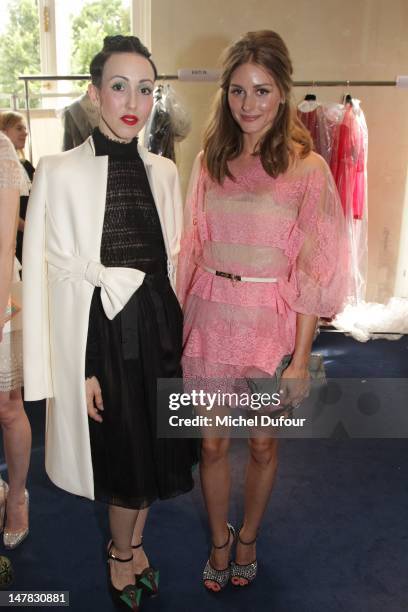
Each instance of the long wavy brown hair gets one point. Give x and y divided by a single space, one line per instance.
223 138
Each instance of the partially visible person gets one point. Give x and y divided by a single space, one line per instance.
13 125
79 119
13 420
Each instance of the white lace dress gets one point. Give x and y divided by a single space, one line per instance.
12 176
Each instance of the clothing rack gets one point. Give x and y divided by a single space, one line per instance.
346 331
199 74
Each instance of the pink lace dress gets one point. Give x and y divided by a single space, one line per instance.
291 228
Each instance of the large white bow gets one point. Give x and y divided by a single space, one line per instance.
117 284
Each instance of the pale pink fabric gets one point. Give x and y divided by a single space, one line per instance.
12 176
12 173
292 228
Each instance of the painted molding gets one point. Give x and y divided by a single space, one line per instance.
141 21
46 11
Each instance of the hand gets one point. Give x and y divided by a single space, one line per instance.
94 402
295 385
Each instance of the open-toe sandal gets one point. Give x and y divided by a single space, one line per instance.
220 576
246 571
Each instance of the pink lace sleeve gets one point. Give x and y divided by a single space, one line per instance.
319 254
190 245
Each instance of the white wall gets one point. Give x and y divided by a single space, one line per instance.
401 280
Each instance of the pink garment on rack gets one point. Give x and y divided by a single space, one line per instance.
348 164
315 121
291 228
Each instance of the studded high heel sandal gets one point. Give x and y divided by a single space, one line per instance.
221 577
130 595
11 539
3 500
148 579
246 571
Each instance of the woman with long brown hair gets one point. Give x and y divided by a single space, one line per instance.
264 233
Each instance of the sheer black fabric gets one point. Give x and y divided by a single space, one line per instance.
29 168
131 466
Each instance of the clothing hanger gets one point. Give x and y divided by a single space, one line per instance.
347 98
311 97
158 91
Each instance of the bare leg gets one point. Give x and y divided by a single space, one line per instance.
215 483
259 481
122 523
17 447
140 561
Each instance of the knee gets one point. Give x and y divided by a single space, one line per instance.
9 411
264 452
213 450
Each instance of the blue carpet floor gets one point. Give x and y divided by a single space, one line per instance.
335 536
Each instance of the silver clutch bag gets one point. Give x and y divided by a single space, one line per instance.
271 384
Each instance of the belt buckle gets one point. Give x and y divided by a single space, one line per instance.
234 279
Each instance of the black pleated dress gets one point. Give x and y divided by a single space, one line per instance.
131 466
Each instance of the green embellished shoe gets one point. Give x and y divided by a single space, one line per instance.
148 579
222 576
130 595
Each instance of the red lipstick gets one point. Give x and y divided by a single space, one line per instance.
129 119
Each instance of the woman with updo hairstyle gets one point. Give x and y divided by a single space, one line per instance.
13 125
103 322
263 256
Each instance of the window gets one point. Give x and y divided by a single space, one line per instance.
57 37
19 48
53 37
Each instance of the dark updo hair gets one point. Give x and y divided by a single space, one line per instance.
117 44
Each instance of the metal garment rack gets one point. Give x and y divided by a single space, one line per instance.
196 75
346 331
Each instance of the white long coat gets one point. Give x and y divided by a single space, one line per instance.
62 242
